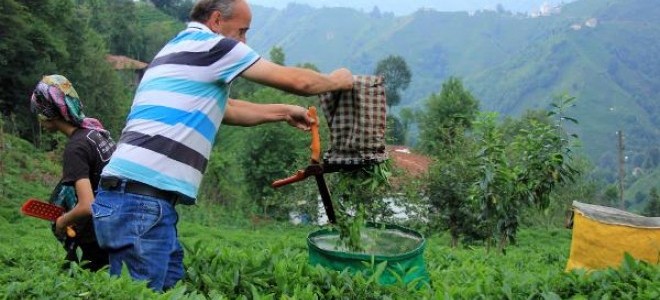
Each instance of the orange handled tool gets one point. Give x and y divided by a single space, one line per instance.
311 170
45 211
316 138
298 176
315 168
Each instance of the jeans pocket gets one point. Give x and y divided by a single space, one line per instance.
100 210
147 216
102 220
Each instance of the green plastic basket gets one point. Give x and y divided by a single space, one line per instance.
406 262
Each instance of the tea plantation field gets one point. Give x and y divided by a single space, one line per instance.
270 261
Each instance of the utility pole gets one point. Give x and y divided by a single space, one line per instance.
622 173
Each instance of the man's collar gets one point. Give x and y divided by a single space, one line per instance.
198 26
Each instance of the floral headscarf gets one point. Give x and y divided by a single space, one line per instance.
55 96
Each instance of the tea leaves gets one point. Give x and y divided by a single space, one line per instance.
224 262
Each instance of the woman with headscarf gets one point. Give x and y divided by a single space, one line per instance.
87 151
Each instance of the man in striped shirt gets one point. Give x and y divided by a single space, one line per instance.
177 110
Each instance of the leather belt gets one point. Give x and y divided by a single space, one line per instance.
139 188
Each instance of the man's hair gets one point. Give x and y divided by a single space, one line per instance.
202 10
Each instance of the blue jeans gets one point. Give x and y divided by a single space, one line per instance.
139 231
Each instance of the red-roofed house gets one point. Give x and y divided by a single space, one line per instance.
128 65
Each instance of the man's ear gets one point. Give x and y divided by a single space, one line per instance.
219 16
214 21
215 16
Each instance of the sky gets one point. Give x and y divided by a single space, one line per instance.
404 7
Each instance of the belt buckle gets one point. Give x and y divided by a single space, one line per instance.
110 183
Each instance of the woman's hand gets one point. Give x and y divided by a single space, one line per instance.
60 227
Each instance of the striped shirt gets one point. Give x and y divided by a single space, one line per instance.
177 110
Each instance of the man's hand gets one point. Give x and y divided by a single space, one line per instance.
344 77
298 117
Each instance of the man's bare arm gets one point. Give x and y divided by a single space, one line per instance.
299 81
244 113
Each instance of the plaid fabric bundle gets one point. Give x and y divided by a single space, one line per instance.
357 121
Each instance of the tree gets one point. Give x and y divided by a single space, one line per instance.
55 37
611 195
652 208
375 13
223 179
453 109
443 123
535 129
495 184
652 158
122 35
176 8
308 65
524 171
272 151
397 77
395 134
277 55
513 126
584 188
449 183
406 119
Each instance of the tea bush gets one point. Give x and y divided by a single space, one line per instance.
228 257
271 262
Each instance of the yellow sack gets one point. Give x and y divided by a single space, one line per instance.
601 236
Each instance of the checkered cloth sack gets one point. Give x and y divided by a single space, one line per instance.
357 121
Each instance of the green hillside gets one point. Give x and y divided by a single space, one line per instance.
603 52
606 64
639 191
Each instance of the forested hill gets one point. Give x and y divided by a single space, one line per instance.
604 52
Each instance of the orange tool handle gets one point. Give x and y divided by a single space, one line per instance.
298 176
316 138
70 232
